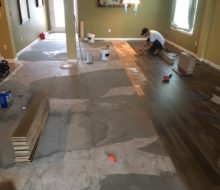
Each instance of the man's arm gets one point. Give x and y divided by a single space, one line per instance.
146 44
141 50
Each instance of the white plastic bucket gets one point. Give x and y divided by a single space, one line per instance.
91 37
105 54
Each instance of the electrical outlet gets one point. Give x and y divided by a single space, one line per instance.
5 47
196 43
21 38
109 30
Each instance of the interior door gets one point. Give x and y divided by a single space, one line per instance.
57 16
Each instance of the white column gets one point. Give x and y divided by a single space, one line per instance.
70 31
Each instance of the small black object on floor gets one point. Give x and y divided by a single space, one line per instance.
4 68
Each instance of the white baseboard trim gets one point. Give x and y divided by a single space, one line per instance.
12 73
121 39
72 61
34 42
211 64
183 49
214 65
11 60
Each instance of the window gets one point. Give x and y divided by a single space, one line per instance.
184 13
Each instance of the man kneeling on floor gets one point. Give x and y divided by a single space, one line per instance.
155 41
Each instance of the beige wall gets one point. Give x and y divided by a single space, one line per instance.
5 38
152 14
26 33
213 53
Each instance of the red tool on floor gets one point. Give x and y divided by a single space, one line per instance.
112 158
166 78
42 36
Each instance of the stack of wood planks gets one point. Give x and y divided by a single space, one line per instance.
27 134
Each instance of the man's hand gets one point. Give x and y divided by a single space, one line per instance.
141 51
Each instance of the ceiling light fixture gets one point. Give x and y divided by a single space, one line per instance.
133 2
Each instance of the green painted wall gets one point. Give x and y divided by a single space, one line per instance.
187 41
26 33
97 20
212 52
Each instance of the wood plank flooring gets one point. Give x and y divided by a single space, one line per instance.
183 115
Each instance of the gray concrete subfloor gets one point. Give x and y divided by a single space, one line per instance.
53 48
94 111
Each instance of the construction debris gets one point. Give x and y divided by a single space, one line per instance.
216 126
215 99
89 58
66 66
24 108
27 134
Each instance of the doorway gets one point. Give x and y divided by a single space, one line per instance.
57 15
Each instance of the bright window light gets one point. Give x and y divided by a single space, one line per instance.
184 12
59 16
